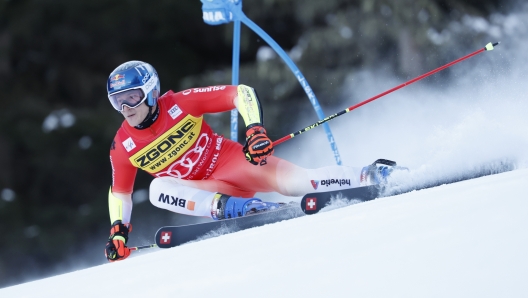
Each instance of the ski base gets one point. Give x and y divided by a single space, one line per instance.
171 236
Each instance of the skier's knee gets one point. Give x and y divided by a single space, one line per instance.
154 184
156 193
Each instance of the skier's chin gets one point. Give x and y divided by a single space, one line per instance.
133 119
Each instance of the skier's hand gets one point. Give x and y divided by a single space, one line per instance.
116 249
258 146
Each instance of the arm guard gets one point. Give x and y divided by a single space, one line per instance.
118 209
248 106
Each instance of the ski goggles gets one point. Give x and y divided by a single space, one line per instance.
131 98
134 97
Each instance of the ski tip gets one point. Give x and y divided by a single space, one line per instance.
490 46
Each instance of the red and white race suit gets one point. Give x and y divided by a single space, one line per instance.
178 144
193 161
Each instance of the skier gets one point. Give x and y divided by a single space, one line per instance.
197 172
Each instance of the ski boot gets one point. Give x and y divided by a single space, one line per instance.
377 172
225 207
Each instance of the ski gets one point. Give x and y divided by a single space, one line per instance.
171 236
314 202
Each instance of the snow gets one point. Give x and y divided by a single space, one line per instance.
466 239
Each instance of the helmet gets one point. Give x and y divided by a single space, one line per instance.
131 83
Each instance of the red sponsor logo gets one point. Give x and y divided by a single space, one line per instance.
315 183
311 204
117 84
117 77
363 176
165 237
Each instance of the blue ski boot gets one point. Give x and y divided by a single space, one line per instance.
377 172
225 207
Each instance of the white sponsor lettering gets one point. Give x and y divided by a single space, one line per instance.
214 160
145 78
149 85
208 89
266 143
214 16
118 84
219 143
203 90
306 87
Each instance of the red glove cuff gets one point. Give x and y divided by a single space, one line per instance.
257 129
119 229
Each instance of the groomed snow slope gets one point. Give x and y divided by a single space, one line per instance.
467 239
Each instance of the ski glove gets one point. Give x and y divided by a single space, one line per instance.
116 249
258 146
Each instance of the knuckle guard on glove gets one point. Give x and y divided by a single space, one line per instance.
258 146
116 248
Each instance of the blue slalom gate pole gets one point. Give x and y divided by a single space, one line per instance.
216 12
234 77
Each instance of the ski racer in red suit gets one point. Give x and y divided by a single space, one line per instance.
197 172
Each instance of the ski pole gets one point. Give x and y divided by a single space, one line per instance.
144 246
489 47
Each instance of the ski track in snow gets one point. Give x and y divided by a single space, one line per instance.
466 239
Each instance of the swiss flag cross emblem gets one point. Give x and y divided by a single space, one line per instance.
311 204
165 237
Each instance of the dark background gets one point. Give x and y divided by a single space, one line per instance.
56 124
